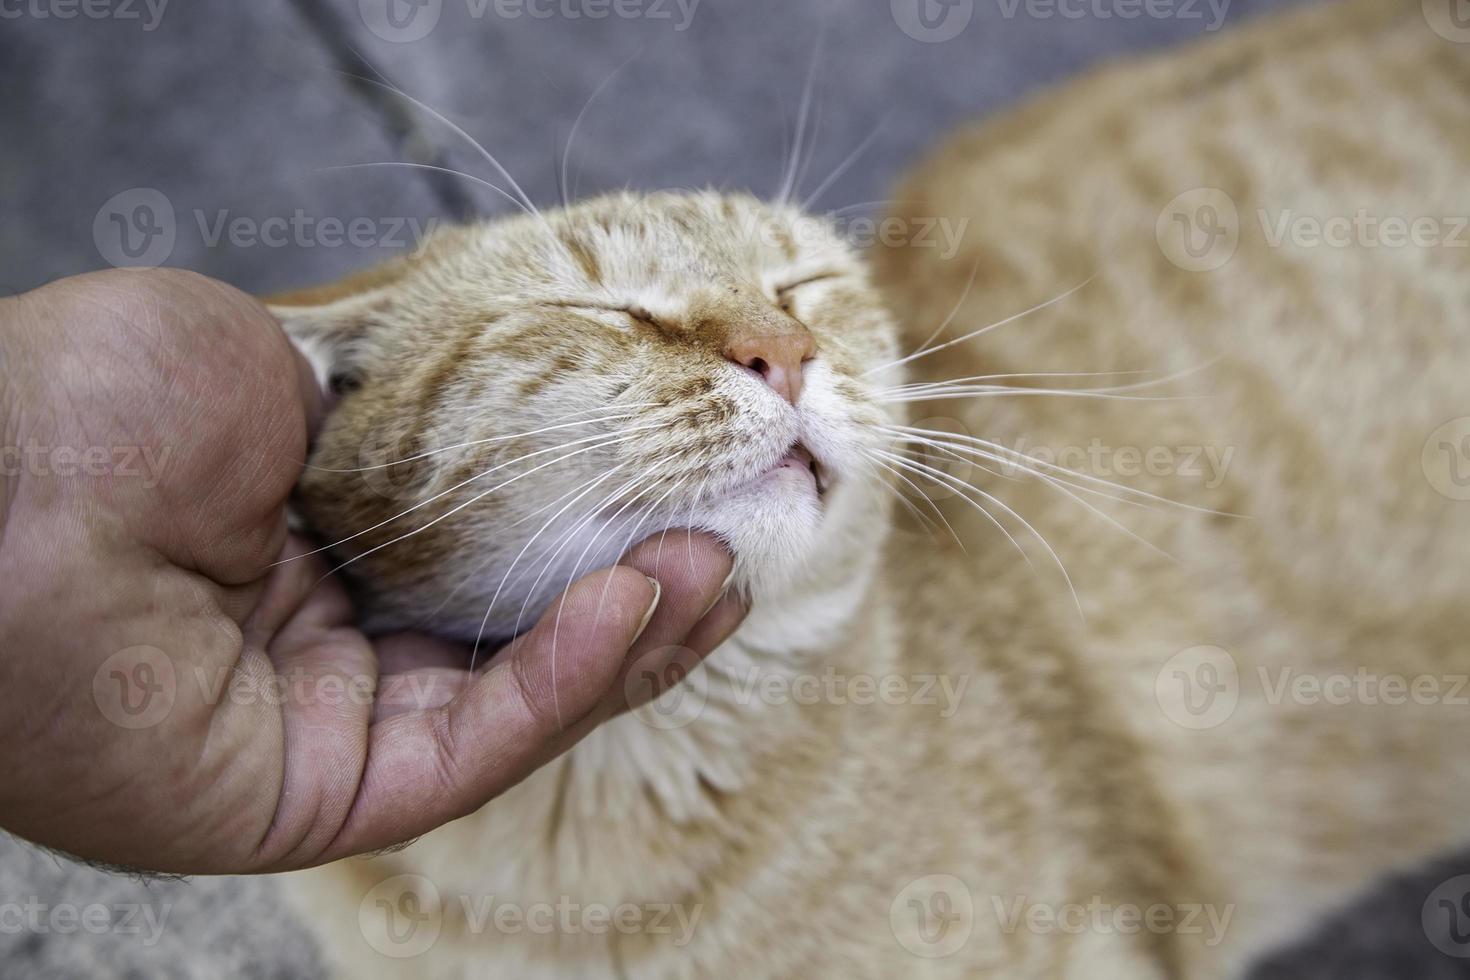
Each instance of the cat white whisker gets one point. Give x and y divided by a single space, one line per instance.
529 205
567 537
867 206
936 440
961 385
789 184
983 330
649 512
514 524
689 521
954 311
619 436
566 152
1056 484
979 378
576 566
948 451
995 391
1006 456
918 469
842 168
586 489
923 496
433 168
472 443
943 477
473 500
940 476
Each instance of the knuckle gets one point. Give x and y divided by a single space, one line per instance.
525 691
447 769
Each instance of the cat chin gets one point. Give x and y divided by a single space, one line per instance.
771 527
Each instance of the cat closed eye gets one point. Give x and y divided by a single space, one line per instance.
781 291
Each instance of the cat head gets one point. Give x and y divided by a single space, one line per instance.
519 401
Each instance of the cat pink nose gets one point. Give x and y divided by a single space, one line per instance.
778 358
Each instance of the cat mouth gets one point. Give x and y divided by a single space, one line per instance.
799 460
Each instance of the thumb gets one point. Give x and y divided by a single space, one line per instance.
429 767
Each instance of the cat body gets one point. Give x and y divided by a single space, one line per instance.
923 755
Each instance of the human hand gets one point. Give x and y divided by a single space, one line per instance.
175 698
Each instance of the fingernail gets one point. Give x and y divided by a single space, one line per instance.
658 591
724 588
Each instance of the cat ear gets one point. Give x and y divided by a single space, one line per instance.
333 338
333 325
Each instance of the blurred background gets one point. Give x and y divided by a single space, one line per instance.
230 138
188 132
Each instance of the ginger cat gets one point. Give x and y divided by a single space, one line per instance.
1259 706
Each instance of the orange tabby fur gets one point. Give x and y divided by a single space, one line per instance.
1067 772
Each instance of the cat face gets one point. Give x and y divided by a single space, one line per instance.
520 401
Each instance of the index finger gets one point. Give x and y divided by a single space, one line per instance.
429 767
